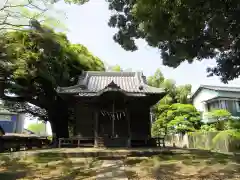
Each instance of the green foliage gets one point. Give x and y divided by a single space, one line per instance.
221 116
168 114
36 61
233 124
115 68
175 94
157 79
207 127
178 118
182 30
37 128
50 57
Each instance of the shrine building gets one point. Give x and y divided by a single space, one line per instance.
112 108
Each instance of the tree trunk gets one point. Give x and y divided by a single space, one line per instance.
58 117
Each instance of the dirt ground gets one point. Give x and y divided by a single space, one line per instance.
184 165
169 165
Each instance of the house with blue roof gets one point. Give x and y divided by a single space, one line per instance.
208 97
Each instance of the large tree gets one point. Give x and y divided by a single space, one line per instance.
183 30
34 63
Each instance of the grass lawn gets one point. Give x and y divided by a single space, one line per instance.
184 165
48 166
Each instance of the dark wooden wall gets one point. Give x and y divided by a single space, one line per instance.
139 117
140 121
84 120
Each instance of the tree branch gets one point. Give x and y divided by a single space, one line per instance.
35 114
14 25
5 6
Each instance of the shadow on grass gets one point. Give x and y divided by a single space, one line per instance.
171 171
47 165
131 174
12 168
203 164
75 170
48 157
189 157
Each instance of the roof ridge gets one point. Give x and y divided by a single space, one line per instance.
221 86
110 73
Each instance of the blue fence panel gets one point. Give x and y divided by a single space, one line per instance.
7 126
14 118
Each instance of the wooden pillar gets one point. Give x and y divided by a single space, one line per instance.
96 115
113 119
129 126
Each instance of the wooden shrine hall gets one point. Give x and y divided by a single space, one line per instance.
112 108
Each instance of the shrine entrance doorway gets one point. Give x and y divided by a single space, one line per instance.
112 122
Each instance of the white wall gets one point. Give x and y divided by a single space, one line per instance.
203 95
20 123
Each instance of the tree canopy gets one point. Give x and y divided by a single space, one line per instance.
34 62
183 30
175 94
177 118
173 113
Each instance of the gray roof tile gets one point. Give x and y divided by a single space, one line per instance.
222 88
93 82
216 88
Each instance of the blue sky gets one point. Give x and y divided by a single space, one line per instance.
87 25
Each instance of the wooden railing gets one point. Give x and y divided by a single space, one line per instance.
102 142
76 141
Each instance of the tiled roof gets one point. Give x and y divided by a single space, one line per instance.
216 88
221 88
91 83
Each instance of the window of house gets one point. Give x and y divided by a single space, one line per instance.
214 105
238 106
223 104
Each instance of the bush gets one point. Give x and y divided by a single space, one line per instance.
207 127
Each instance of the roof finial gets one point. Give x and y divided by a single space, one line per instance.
113 85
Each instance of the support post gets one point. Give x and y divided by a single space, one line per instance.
59 142
129 127
96 128
113 120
